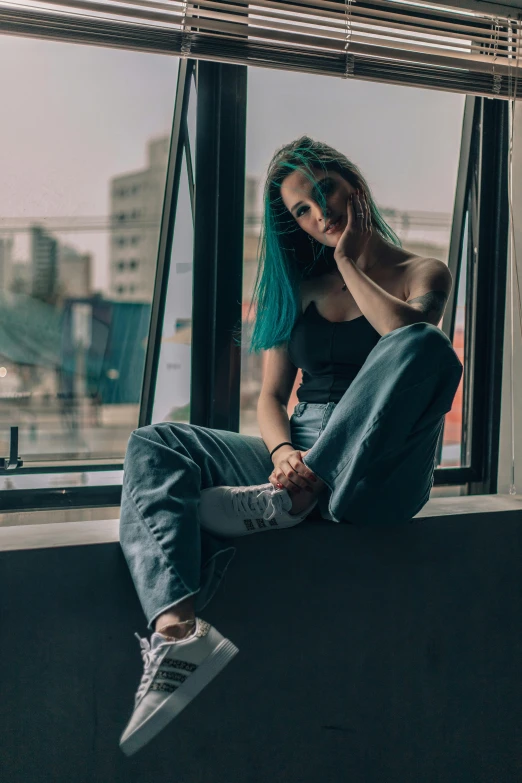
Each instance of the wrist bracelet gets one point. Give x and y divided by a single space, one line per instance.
286 443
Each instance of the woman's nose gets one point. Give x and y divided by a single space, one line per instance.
320 213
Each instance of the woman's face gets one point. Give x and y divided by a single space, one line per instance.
303 197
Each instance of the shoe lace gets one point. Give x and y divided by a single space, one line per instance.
149 656
252 502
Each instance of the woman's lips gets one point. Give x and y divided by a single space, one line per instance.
333 226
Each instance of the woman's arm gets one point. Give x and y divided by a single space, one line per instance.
429 281
272 415
290 472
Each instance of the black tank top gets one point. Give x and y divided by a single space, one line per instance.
329 353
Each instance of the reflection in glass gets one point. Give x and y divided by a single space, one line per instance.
172 394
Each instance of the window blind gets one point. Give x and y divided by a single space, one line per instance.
412 43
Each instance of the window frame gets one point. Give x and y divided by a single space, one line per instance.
482 193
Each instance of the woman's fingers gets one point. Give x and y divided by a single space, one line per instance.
362 208
304 471
350 213
293 475
360 211
284 483
367 215
292 478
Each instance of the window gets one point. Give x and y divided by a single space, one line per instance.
414 188
75 358
133 264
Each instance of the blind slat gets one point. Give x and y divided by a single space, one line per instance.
304 36
387 40
364 15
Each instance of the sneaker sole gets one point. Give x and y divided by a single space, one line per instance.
285 524
181 698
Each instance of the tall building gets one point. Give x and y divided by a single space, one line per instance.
44 264
6 263
136 201
75 272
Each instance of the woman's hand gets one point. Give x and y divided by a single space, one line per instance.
291 473
358 231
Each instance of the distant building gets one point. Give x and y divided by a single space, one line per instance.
21 277
6 263
75 272
44 264
136 201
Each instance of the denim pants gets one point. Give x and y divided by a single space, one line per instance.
374 449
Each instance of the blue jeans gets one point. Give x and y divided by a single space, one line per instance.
374 449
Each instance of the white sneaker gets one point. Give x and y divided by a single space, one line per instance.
238 511
174 673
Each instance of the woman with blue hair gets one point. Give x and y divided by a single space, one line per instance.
339 298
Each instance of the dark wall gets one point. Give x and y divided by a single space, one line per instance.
386 655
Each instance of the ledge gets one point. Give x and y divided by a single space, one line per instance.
106 531
416 665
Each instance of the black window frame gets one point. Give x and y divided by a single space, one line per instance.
482 194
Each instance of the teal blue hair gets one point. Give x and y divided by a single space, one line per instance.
286 254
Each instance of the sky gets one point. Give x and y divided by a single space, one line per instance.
75 116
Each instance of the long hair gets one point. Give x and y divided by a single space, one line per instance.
287 254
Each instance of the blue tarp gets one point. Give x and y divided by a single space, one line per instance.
115 360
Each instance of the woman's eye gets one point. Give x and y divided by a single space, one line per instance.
301 211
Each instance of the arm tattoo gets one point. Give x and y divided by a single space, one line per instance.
431 304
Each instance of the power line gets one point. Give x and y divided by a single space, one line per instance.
414 220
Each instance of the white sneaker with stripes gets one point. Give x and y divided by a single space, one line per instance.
238 511
174 673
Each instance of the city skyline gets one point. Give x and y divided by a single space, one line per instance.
68 138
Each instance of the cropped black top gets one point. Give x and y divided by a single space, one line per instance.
329 353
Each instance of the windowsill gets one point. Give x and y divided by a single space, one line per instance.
106 531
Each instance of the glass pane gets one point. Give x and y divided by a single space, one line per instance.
405 141
83 153
172 397
452 439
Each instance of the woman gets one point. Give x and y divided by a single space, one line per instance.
338 297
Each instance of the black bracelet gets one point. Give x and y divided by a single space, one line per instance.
286 443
